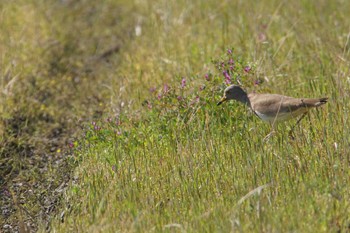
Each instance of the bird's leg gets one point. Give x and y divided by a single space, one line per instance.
291 131
273 123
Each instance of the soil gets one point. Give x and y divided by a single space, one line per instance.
37 157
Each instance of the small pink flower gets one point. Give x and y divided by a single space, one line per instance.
257 82
166 88
152 89
96 127
202 87
247 69
159 96
183 82
227 77
93 123
229 51
196 99
71 144
206 76
231 61
179 98
262 37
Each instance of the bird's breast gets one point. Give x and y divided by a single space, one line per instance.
281 116
264 117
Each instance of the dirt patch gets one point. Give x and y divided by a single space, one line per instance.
43 110
33 174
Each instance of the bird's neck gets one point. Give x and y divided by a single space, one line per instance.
243 98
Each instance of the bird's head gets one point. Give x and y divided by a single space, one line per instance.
234 92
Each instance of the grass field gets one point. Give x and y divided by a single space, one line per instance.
163 157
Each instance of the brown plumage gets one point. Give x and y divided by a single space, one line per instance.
272 107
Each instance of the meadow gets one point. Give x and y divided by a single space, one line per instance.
152 152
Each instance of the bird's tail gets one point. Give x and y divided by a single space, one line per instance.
321 101
315 102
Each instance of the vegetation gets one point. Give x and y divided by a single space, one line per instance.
163 156
54 72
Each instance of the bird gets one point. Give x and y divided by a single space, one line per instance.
272 108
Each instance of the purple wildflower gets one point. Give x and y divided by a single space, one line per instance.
196 100
159 96
231 67
202 87
71 144
93 123
149 105
227 77
206 76
179 98
152 89
166 88
229 51
183 82
231 61
262 37
96 127
247 69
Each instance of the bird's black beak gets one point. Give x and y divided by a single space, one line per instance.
223 99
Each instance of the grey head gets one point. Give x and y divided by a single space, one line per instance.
234 92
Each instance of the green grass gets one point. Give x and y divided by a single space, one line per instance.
203 168
192 169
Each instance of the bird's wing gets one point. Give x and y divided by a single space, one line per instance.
270 104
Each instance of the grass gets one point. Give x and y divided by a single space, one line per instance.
207 169
167 165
